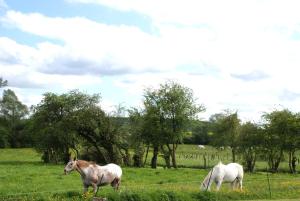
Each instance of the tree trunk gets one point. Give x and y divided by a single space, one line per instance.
204 161
145 161
166 155
67 155
154 158
274 161
292 161
174 163
233 154
126 158
253 163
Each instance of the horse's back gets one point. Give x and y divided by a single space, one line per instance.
113 169
238 167
232 171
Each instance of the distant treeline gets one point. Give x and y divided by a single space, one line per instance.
74 124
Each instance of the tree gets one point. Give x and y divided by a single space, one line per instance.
75 121
225 128
3 83
282 134
52 125
172 106
293 141
12 111
250 144
152 130
137 139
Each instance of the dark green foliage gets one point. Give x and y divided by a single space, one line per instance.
225 131
282 133
4 135
3 83
168 111
12 114
198 133
206 196
75 121
250 144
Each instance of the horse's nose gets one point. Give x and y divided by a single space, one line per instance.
65 171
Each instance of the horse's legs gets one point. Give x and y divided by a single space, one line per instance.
232 184
95 188
116 183
241 184
85 189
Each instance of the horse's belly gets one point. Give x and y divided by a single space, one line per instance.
230 177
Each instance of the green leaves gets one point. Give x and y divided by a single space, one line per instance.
168 111
12 113
3 83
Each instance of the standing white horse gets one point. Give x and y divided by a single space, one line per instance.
95 175
233 173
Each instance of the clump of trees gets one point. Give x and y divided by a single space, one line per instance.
74 123
165 118
278 134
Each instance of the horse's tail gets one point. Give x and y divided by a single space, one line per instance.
240 172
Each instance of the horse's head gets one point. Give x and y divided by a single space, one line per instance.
203 186
70 166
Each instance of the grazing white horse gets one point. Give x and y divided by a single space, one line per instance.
201 146
232 172
95 175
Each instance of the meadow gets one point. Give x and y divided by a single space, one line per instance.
24 177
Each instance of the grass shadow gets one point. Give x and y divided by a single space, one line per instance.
34 163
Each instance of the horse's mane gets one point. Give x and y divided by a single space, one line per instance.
83 163
206 179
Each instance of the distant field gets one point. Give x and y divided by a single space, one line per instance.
192 156
24 177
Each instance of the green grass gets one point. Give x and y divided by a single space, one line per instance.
24 177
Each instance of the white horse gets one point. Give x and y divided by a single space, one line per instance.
233 173
95 175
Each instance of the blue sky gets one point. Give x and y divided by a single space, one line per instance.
236 55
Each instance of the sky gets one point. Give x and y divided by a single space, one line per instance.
237 55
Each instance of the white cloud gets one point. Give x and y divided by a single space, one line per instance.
214 13
213 39
3 5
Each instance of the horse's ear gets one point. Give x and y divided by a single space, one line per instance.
70 156
74 159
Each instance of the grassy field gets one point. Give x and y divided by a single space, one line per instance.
24 177
193 157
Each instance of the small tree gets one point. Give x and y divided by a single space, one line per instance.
137 140
12 112
225 129
172 107
152 130
52 125
280 136
250 144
